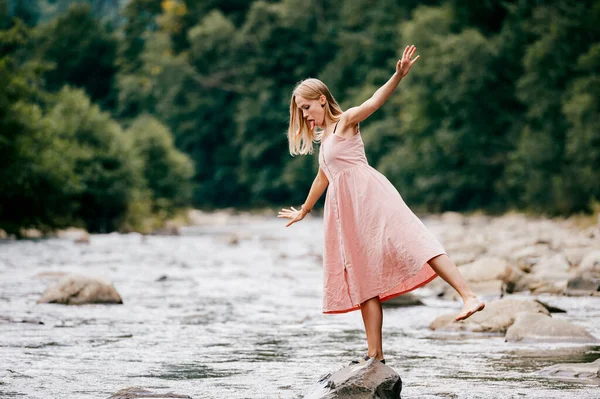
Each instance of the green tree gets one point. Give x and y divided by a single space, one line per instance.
538 165
140 17
167 171
581 106
36 170
108 167
83 52
452 141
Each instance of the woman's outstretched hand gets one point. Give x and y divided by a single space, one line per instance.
406 62
292 213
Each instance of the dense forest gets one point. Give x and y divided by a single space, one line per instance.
115 110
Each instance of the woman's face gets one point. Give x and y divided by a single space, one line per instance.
312 111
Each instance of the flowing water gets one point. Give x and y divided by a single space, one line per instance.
240 321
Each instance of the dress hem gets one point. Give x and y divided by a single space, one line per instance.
394 295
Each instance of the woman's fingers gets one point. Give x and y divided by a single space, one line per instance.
294 220
415 60
409 52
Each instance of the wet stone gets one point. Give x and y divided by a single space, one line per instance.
584 372
371 379
137 392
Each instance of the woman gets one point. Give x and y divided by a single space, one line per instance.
375 247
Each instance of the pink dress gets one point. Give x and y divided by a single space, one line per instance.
374 244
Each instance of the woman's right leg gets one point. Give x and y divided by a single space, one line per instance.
372 315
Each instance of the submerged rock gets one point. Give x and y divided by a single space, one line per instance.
79 290
585 372
370 380
137 392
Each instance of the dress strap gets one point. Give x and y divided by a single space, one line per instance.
335 127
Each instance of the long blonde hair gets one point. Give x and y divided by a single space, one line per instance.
300 136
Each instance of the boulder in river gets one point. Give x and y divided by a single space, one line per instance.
79 290
590 265
583 286
495 318
371 379
485 269
584 372
537 327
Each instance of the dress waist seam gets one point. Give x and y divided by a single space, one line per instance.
364 165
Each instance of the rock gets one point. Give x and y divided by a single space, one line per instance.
516 280
586 372
488 289
82 239
232 240
548 275
575 255
548 287
550 308
3 235
372 379
453 218
199 218
529 254
403 301
79 290
590 265
461 256
169 229
506 247
485 269
77 235
30 233
497 317
582 286
137 392
164 277
592 232
552 268
536 327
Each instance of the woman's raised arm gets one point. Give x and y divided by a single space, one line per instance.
358 114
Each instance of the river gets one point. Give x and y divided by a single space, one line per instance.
212 318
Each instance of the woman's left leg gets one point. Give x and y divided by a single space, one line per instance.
372 315
447 270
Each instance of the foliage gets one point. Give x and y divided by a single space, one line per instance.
501 111
167 171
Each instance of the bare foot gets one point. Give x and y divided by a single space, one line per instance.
471 306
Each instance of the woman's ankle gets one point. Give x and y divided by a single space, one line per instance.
375 354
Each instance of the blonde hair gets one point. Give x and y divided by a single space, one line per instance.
300 136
